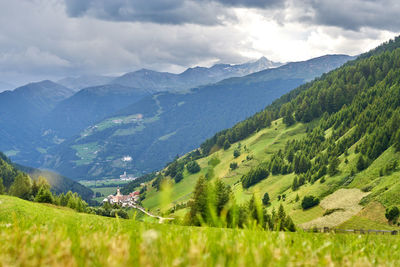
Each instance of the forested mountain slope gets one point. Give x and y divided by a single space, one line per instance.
22 111
88 106
52 113
157 128
59 184
335 138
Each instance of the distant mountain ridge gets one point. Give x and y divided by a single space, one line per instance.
88 106
155 81
5 86
22 110
192 77
158 127
84 81
48 117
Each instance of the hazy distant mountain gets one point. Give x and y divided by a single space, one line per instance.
158 127
163 81
88 106
77 83
22 110
5 86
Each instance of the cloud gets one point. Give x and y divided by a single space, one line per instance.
51 39
156 11
253 3
350 14
203 12
31 58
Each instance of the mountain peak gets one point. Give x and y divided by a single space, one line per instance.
266 62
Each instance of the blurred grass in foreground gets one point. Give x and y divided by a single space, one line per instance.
34 234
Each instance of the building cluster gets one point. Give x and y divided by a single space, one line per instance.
124 200
127 177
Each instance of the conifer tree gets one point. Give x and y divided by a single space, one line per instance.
266 199
199 205
44 195
22 186
2 189
222 195
295 184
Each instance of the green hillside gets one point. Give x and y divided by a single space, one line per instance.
59 184
336 138
29 232
155 129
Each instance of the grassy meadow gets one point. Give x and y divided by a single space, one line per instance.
35 234
260 146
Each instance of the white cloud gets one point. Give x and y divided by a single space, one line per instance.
39 40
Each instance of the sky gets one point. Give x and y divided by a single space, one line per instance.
51 39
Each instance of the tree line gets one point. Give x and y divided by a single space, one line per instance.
213 204
17 183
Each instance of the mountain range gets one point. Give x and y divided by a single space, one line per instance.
37 116
22 111
155 129
327 152
154 81
4 86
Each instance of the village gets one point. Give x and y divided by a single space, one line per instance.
123 200
131 201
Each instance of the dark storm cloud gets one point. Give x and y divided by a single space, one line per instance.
352 14
157 11
253 3
53 38
349 14
204 12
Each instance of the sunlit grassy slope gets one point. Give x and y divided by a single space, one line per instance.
260 146
35 234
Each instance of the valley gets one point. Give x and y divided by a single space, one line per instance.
172 124
129 141
348 174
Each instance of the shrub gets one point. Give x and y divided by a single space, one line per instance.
120 213
178 177
236 153
266 200
214 161
367 188
193 167
309 202
392 213
209 174
123 214
227 145
330 211
233 165
254 176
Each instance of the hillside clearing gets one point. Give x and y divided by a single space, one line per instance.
346 201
